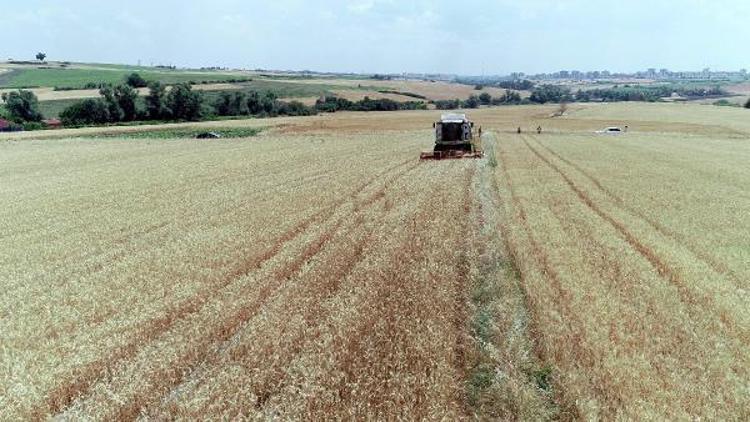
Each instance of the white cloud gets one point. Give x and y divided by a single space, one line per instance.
361 6
387 35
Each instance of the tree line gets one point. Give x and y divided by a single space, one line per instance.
331 104
649 93
122 103
513 84
21 108
474 101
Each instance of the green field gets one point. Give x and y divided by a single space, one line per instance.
79 77
181 133
52 109
288 89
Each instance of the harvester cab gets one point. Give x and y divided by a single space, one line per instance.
454 138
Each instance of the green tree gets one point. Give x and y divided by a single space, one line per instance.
156 103
86 112
223 104
485 98
136 80
550 94
126 97
41 56
232 105
268 103
509 97
22 106
185 103
472 102
113 106
254 105
447 104
239 104
747 104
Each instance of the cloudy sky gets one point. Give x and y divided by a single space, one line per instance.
467 36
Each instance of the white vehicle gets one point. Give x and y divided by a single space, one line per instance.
613 130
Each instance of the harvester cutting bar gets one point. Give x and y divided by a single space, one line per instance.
451 154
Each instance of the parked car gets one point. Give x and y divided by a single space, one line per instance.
613 130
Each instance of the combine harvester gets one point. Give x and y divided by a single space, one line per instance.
454 138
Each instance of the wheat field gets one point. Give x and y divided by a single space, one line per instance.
291 276
319 270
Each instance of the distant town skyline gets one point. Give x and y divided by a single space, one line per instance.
387 36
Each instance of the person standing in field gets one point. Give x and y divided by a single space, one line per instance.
539 130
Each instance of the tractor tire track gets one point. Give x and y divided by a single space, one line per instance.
343 263
568 315
662 268
65 397
393 290
701 255
151 398
85 376
270 381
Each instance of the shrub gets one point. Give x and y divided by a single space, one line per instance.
485 98
29 126
333 104
184 103
471 102
114 110
254 105
519 85
295 108
136 81
550 94
126 97
447 104
86 112
509 97
232 105
22 106
747 104
156 106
